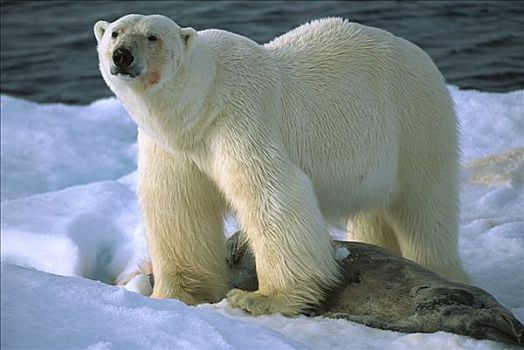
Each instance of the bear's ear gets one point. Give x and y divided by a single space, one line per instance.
99 29
188 36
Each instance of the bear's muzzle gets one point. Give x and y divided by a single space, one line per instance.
123 63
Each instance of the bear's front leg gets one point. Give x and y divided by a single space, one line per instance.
183 216
276 206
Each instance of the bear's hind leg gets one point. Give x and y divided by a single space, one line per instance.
183 216
427 233
372 228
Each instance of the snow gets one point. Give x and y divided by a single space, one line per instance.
341 253
57 136
70 227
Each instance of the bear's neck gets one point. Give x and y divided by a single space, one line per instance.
180 112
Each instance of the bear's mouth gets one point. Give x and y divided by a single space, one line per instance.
126 73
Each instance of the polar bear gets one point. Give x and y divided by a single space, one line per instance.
333 123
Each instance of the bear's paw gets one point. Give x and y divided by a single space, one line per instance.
257 304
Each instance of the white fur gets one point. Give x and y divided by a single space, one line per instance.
331 122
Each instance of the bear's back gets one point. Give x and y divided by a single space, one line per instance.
335 47
331 42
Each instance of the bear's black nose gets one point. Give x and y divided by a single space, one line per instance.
122 58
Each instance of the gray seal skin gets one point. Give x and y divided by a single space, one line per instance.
383 290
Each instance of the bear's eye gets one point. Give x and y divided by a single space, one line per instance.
114 34
151 38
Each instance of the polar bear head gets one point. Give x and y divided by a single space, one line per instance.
141 51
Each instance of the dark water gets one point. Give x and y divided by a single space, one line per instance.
48 49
